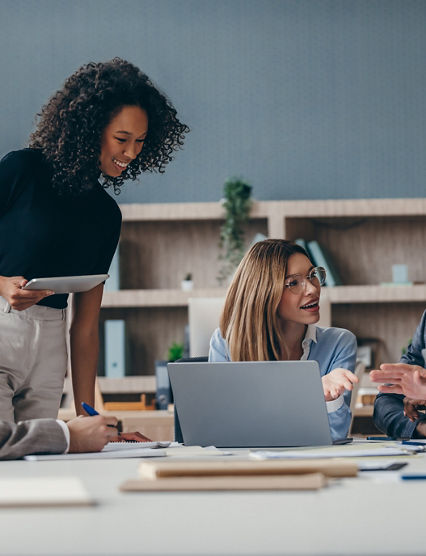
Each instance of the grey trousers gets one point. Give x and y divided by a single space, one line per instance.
33 361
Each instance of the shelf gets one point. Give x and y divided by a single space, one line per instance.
135 212
156 298
127 384
364 411
289 209
376 294
337 294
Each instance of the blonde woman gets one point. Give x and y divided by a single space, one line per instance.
270 312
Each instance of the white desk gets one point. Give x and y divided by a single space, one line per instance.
351 516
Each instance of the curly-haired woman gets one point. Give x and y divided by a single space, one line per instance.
270 312
107 124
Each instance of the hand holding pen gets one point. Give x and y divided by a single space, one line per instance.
121 437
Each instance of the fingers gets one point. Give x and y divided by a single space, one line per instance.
343 378
332 392
134 437
386 376
404 367
22 299
410 410
112 421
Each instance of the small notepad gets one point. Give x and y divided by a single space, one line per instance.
43 491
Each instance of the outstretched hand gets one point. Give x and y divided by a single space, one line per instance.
19 299
400 378
336 382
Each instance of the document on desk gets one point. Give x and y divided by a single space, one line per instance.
120 446
333 452
43 491
113 450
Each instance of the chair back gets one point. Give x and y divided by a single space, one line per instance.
203 317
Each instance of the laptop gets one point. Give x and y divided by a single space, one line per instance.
255 404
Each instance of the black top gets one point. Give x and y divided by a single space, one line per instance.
44 233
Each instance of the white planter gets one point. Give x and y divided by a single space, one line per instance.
187 285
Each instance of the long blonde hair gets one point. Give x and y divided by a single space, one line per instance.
249 321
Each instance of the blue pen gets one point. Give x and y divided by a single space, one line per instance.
414 443
89 409
413 477
92 412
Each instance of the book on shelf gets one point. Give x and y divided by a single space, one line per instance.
321 257
304 244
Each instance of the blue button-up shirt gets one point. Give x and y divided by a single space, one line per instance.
332 348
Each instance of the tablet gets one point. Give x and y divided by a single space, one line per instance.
66 284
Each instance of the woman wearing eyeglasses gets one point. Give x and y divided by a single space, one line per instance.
270 312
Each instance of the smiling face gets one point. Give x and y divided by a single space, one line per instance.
122 140
300 307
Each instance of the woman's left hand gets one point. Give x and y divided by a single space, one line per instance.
336 382
131 437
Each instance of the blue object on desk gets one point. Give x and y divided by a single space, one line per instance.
89 409
386 438
92 412
413 443
413 477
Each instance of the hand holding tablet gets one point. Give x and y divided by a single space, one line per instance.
66 284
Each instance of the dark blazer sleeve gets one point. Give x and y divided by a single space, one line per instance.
37 436
389 408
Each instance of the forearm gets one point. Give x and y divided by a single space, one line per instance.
84 361
38 436
389 416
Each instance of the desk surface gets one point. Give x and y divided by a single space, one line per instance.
370 514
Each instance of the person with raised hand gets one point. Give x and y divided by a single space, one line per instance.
398 406
270 314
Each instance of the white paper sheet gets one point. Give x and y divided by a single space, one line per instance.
43 491
330 453
134 452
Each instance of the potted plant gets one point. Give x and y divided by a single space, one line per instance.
237 204
187 284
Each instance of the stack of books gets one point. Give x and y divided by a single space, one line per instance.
238 475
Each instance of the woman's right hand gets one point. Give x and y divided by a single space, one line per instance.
336 382
19 299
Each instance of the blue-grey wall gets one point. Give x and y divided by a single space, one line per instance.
303 98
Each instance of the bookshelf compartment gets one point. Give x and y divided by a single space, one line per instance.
392 324
157 255
149 333
364 248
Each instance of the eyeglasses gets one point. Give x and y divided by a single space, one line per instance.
296 283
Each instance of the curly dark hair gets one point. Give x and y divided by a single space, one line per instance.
71 124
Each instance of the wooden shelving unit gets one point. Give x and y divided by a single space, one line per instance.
160 243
